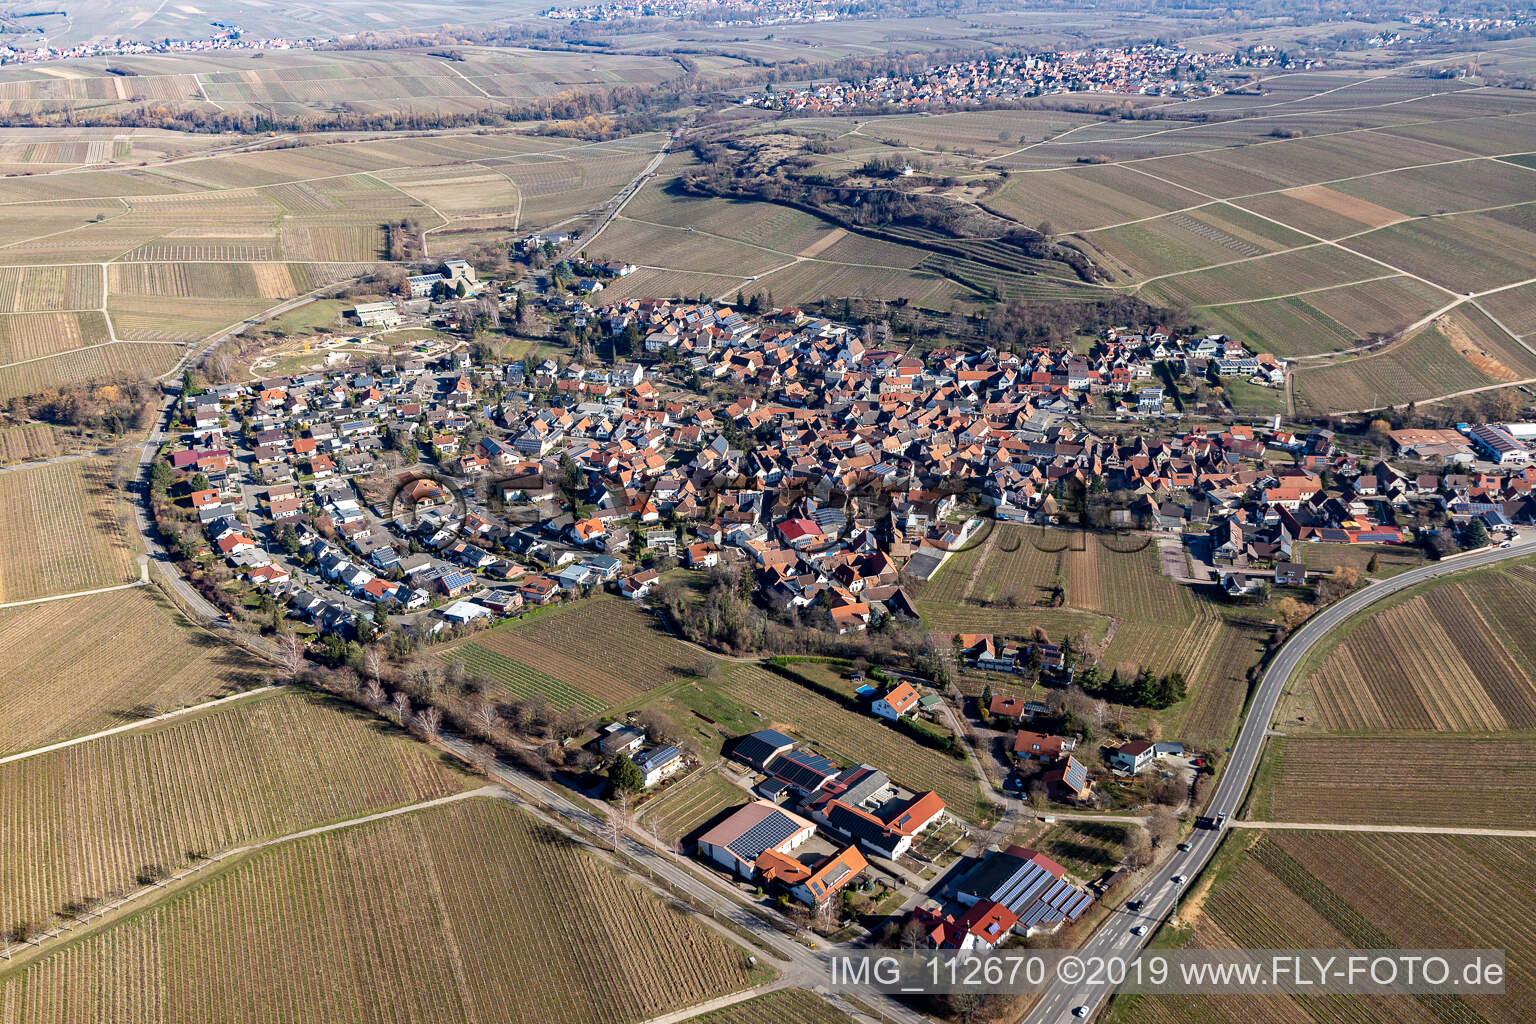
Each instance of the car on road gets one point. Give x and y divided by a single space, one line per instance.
1177 879
1133 905
1184 847
1140 929
1080 1011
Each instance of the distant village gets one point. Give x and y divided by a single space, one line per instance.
738 12
224 37
1145 70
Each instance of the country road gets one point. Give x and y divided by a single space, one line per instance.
1159 897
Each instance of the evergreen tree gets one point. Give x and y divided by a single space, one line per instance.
625 775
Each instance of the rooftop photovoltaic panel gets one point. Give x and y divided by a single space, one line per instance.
765 835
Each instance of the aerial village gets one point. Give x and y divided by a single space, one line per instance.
433 494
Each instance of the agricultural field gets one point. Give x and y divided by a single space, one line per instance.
110 272
1441 358
567 655
1303 269
1086 197
83 821
26 441
91 663
1472 781
1468 252
1133 615
40 289
1319 890
1086 849
1391 559
1325 320
791 1004
691 803
1189 240
1515 308
427 916
1452 657
61 530
119 361
29 336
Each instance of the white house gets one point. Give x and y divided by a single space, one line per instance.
658 764
900 701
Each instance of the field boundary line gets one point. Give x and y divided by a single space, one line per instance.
730 999
142 581
1432 830
143 723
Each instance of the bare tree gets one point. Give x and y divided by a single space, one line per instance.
371 662
486 718
428 722
1163 826
290 654
402 704
374 695
1138 847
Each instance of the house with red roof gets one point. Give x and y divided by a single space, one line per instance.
902 700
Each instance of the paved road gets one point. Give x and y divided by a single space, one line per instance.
1159 895
807 968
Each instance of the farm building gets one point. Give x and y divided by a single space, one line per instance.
377 314
802 771
756 750
887 829
738 842
1033 887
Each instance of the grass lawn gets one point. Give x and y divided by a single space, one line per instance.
311 318
1253 398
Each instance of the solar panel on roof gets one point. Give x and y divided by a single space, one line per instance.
765 835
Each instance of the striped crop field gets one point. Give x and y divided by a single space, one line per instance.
788 1004
590 654
41 289
25 336
28 441
690 803
470 911
1470 781
85 820
1454 657
91 663
59 530
1331 890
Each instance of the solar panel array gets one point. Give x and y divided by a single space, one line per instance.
802 769
765 835
1075 775
1040 898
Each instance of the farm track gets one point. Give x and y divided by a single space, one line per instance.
1416 830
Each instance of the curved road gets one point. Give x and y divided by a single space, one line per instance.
1159 894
